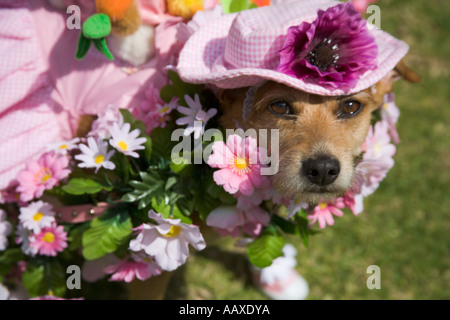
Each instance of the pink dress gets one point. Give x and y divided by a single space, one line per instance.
44 89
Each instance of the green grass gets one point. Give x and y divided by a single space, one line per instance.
405 227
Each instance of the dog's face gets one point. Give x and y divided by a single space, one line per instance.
320 137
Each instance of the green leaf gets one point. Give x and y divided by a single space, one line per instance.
226 6
83 47
76 235
106 233
127 116
168 210
264 249
44 277
78 186
102 47
168 92
97 26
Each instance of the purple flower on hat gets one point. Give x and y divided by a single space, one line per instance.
333 51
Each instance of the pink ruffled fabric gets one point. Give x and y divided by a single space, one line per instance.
44 89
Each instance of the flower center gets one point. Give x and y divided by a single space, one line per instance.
63 146
122 145
240 163
38 216
377 147
173 232
323 205
99 159
385 106
324 55
164 109
49 237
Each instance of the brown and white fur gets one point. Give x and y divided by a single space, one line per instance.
319 137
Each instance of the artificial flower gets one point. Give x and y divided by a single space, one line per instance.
324 211
377 158
245 202
95 155
5 230
125 141
227 220
167 242
103 125
23 236
62 147
281 267
195 118
41 175
361 5
49 241
94 270
333 51
354 202
153 111
129 269
239 163
37 215
295 206
390 114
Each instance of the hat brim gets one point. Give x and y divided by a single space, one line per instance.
201 61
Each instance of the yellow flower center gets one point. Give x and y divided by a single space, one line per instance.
164 110
173 232
240 163
99 159
385 106
122 145
38 216
63 146
184 8
323 205
49 237
377 147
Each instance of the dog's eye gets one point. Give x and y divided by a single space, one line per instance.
281 108
349 108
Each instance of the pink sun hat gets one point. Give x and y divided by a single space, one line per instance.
301 44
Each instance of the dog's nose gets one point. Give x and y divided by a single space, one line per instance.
321 170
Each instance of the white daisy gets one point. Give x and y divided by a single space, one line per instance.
5 230
36 216
125 141
24 237
195 118
62 147
95 155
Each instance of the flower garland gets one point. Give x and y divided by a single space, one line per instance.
123 205
152 201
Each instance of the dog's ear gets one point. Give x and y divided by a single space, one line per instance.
386 84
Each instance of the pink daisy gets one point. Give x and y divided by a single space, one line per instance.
231 221
129 269
50 240
323 212
239 164
41 175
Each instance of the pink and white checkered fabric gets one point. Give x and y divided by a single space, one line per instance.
240 50
44 89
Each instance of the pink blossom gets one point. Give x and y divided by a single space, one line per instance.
260 194
231 220
49 241
106 119
354 202
323 212
361 5
167 242
390 114
129 269
377 158
239 164
41 175
153 111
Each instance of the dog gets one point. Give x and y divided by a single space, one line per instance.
320 137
